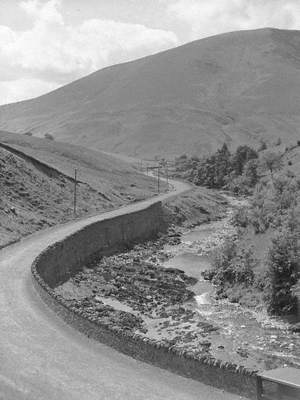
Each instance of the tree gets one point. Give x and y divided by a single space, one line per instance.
283 264
271 162
251 171
222 166
242 155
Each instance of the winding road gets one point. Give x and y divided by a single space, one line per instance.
43 358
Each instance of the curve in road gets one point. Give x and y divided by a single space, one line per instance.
42 358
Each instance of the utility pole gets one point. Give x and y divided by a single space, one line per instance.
167 175
158 179
75 191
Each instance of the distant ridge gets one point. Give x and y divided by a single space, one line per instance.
238 87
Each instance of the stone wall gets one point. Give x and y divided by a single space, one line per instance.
63 259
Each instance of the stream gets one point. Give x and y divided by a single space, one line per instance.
200 324
241 330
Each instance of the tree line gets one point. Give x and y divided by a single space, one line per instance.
273 209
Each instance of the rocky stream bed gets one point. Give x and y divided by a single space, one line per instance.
157 290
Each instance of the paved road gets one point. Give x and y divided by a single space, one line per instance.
43 358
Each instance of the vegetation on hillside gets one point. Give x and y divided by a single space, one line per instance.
273 210
37 184
237 172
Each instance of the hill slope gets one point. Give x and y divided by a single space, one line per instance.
38 194
104 172
237 87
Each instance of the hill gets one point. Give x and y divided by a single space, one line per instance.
104 172
37 185
237 87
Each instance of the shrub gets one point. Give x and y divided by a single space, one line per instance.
251 171
242 155
243 184
232 267
285 191
243 267
270 162
240 217
263 208
28 133
239 185
283 266
222 259
272 201
292 219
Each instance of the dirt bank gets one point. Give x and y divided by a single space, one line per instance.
195 207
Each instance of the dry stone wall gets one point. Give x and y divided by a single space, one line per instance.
63 259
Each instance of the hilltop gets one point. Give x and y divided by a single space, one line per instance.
237 88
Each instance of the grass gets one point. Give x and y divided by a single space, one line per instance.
33 198
103 172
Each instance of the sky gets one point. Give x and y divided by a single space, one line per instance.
45 44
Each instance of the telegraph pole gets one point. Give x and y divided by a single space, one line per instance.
75 191
167 175
158 179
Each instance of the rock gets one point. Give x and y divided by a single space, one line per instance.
205 343
242 352
295 328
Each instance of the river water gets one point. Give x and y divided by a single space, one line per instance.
229 332
264 342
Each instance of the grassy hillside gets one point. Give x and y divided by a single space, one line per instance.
112 176
34 196
237 87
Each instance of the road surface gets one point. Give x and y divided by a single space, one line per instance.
43 358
